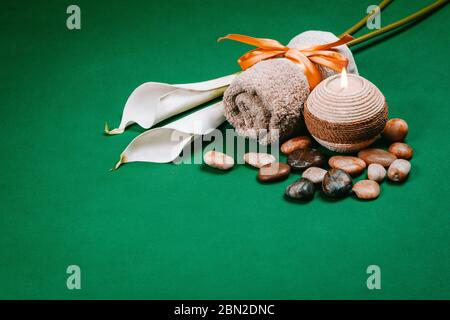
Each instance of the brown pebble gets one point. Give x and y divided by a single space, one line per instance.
376 172
274 172
401 150
218 160
351 165
296 143
395 130
258 160
366 189
399 170
314 174
377 156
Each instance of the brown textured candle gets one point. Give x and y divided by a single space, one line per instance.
345 113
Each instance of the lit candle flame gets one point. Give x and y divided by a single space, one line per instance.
344 79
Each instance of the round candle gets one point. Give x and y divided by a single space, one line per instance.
345 113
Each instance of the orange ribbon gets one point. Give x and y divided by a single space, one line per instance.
323 55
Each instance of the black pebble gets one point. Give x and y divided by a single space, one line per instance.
302 159
337 183
302 189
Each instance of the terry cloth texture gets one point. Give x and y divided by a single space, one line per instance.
265 102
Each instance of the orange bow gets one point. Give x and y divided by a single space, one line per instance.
323 55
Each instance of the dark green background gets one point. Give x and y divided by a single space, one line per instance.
178 232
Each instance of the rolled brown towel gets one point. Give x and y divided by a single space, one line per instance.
265 102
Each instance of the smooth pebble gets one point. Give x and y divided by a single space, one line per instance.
337 183
218 160
273 172
258 160
377 156
351 165
395 130
302 189
302 159
376 172
401 150
314 174
399 170
366 189
296 143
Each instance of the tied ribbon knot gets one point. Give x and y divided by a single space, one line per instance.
307 58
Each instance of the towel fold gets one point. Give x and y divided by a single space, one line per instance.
265 102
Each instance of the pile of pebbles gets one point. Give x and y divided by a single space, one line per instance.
337 181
